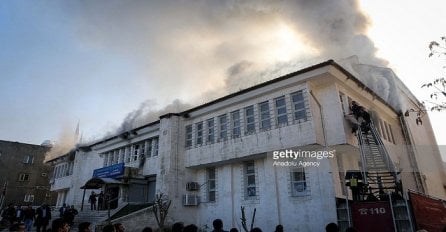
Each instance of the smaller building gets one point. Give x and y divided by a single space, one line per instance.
23 175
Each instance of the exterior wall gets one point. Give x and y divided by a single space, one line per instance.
14 163
68 187
324 128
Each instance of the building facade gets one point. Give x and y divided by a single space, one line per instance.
281 149
24 177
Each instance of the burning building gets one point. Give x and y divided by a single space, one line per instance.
284 149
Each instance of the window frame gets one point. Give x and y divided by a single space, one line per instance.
212 188
264 115
250 126
298 182
236 129
189 137
223 127
301 101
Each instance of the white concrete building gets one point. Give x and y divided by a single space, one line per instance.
217 157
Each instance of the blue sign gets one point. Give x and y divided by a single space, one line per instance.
109 171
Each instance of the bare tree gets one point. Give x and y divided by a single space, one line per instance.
245 227
160 208
437 86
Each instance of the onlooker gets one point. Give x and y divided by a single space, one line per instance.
92 200
256 229
177 227
108 228
84 227
101 201
332 227
233 230
28 216
19 214
147 229
119 227
279 228
9 214
62 210
351 229
218 225
20 227
59 225
70 214
43 217
190 228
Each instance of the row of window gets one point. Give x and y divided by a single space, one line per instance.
63 170
298 182
247 121
132 153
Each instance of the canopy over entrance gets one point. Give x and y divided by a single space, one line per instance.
96 182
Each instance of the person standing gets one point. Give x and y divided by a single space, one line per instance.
43 217
92 200
70 214
10 214
62 210
28 216
101 201
19 214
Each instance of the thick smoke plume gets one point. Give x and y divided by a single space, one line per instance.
199 50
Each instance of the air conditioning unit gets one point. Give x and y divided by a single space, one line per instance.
190 200
192 186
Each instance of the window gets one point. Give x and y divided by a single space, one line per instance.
128 153
391 134
236 131
189 136
281 113
250 120
383 132
199 139
223 125
121 155
155 147
210 126
24 177
250 180
211 184
28 159
265 118
299 106
135 153
29 198
298 182
149 148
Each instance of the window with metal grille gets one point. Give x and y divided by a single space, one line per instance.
210 128
265 117
188 135
250 120
281 113
199 133
250 180
300 112
298 182
212 188
235 122
223 126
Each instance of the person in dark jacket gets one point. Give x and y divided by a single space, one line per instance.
28 217
43 217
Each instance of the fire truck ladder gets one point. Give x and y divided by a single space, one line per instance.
381 178
378 170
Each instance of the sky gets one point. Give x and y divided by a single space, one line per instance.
107 65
